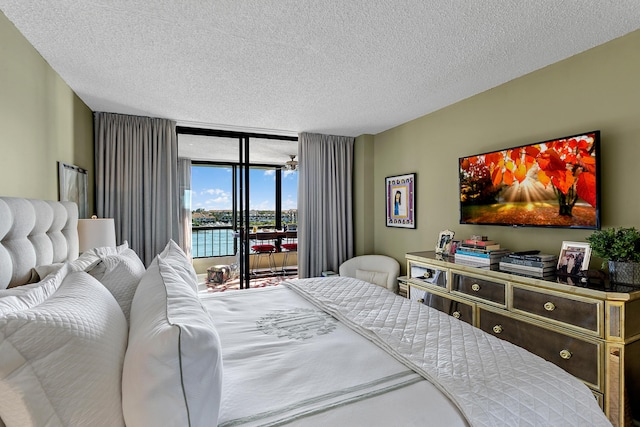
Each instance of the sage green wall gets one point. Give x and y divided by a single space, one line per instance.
363 190
42 122
598 89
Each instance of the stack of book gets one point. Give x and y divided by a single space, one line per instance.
481 252
541 266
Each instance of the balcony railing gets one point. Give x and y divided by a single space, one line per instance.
219 240
211 241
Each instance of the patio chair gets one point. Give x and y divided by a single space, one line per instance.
289 244
265 246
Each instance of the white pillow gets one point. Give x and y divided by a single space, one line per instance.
122 247
62 358
27 296
120 274
175 256
172 372
89 259
375 277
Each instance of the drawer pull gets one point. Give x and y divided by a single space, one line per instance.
475 287
497 329
549 306
456 314
565 354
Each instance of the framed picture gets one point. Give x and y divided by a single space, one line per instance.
401 200
443 245
453 245
574 257
72 187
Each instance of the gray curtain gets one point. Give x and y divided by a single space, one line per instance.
325 223
137 180
184 183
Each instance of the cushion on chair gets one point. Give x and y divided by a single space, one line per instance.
376 277
373 263
263 248
289 246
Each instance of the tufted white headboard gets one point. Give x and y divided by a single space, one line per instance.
32 233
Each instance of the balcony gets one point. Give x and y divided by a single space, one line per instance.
217 244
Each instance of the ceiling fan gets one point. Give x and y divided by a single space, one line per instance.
292 164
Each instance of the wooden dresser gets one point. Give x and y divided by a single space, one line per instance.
591 329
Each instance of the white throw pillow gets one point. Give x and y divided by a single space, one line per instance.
89 259
27 296
122 247
120 274
175 256
375 277
172 372
62 358
103 251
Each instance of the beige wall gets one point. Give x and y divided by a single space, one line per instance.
598 89
42 122
363 192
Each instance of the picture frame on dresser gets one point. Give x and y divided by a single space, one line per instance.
443 245
574 258
400 196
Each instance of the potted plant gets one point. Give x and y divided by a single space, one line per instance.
620 249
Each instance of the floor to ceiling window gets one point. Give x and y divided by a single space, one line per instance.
219 186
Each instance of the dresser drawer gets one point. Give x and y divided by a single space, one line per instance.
584 314
416 294
482 289
579 357
458 309
427 274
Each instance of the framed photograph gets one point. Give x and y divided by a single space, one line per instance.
453 246
443 245
574 257
401 200
72 187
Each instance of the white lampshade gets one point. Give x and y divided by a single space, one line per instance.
96 233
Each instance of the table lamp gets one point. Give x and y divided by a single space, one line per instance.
96 233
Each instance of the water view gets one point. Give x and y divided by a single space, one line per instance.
211 241
212 197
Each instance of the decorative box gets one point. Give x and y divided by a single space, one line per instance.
218 274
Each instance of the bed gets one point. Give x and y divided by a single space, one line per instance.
98 339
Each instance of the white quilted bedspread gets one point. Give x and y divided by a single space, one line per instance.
493 382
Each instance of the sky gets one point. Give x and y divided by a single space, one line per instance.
211 189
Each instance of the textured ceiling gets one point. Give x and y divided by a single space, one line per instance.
343 67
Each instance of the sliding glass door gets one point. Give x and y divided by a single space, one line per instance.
237 184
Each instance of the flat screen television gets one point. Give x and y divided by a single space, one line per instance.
554 183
